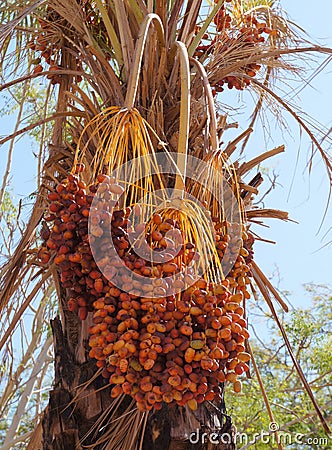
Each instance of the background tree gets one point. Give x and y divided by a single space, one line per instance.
309 330
95 56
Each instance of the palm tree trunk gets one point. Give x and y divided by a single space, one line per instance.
67 420
180 429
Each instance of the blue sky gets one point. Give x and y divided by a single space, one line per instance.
298 253
296 258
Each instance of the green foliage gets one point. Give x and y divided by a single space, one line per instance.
38 102
8 208
309 330
9 213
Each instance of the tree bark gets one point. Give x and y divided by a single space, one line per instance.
181 429
72 412
67 418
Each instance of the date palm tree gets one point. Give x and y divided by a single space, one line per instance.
125 79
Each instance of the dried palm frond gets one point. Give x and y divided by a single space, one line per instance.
119 426
19 15
265 397
325 157
14 271
245 167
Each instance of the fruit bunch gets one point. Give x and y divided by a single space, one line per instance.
176 349
65 237
248 36
222 19
159 333
46 44
243 38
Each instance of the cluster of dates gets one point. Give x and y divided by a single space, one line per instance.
46 45
244 37
159 333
